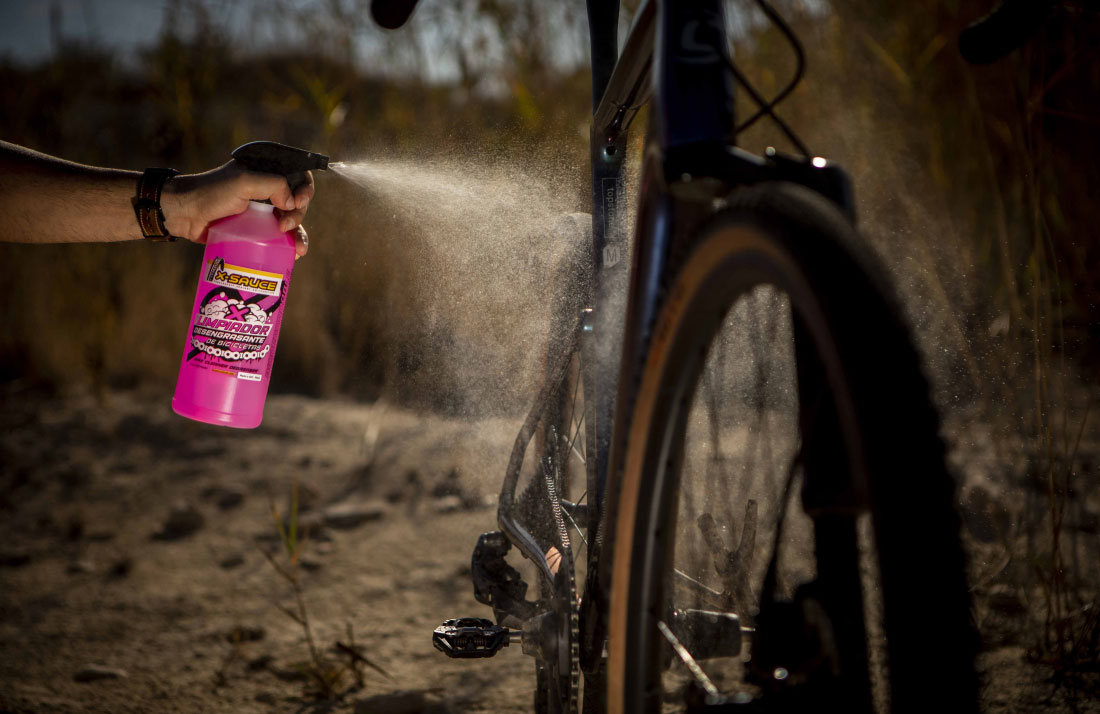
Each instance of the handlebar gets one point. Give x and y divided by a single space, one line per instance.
392 14
1004 29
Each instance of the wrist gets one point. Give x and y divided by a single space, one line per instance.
174 206
148 206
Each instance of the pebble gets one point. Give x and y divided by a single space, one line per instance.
183 520
224 498
352 515
262 662
121 567
450 485
309 564
447 504
233 561
242 633
289 675
96 672
82 566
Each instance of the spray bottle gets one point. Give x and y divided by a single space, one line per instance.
239 304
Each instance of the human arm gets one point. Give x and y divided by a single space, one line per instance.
49 200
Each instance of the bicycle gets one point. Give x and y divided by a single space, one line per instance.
765 513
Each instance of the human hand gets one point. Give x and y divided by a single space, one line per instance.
191 202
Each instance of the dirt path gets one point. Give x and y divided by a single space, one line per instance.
133 579
88 582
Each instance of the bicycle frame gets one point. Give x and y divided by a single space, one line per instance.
676 52
691 205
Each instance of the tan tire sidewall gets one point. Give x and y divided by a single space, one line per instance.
715 249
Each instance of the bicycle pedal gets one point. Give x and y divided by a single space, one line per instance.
471 637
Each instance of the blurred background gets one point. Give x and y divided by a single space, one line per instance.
426 279
974 181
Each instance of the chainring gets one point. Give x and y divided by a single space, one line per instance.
564 667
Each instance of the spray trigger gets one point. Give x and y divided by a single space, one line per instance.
270 157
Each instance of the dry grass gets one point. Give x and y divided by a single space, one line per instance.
326 676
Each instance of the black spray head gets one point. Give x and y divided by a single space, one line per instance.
271 158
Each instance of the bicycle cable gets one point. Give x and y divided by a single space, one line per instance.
767 107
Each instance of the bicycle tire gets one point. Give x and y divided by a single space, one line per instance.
882 456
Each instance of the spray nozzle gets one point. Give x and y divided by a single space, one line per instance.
271 158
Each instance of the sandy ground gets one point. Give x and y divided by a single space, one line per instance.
133 580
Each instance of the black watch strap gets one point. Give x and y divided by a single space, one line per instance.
147 203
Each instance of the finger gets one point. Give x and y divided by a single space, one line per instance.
304 194
289 220
199 237
301 242
257 186
553 559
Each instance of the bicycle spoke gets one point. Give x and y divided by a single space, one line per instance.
696 671
573 413
575 526
716 598
573 441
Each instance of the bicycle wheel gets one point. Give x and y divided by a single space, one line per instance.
784 466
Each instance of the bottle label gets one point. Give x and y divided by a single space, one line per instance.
236 320
237 277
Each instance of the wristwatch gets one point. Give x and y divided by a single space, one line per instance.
147 204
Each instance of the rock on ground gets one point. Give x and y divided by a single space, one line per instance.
97 672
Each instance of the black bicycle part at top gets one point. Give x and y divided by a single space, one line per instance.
986 40
392 14
1006 27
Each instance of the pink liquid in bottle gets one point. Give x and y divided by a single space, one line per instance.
242 292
